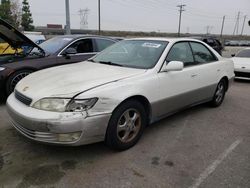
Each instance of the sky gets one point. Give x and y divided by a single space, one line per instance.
147 15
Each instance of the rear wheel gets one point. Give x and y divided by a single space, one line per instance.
14 79
126 125
219 94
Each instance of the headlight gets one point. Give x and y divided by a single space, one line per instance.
64 105
79 105
2 68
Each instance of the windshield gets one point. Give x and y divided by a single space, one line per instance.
54 44
133 53
244 53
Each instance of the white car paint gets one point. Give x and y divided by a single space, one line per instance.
241 64
112 85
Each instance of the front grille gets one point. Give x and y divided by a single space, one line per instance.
242 74
22 98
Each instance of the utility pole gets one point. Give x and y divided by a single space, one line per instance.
99 17
222 27
243 25
68 32
181 10
236 27
208 29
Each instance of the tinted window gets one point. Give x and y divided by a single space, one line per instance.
53 45
181 52
201 53
244 53
103 43
83 46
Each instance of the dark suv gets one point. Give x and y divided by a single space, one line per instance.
213 42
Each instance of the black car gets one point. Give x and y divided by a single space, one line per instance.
53 52
213 42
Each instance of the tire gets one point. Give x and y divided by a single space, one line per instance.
219 94
126 125
14 79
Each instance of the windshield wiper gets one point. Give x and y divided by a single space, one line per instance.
109 63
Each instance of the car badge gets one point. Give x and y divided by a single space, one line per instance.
25 88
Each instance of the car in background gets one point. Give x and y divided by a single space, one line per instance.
211 41
242 64
114 95
36 37
57 51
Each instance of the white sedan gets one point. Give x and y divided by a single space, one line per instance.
242 64
113 96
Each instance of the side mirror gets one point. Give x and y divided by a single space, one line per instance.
233 55
173 66
69 51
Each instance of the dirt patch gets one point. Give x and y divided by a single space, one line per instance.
44 175
155 161
69 165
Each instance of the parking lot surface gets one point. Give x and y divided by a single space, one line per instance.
199 147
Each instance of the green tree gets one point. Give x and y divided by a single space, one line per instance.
5 11
27 20
16 11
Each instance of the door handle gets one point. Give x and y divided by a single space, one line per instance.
194 75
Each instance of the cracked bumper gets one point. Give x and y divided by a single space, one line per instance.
55 127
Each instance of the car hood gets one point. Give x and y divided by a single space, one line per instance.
69 80
14 37
241 62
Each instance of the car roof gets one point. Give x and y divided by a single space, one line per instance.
167 39
83 36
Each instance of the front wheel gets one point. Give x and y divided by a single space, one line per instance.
219 94
14 79
126 125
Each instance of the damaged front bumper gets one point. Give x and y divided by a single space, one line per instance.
67 128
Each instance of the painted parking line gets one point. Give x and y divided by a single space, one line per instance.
211 168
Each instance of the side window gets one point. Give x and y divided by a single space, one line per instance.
83 46
103 43
181 52
201 53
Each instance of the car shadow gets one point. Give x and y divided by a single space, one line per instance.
241 80
2 99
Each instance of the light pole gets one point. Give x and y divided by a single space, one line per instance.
99 17
68 32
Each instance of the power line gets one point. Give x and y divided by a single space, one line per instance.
181 10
